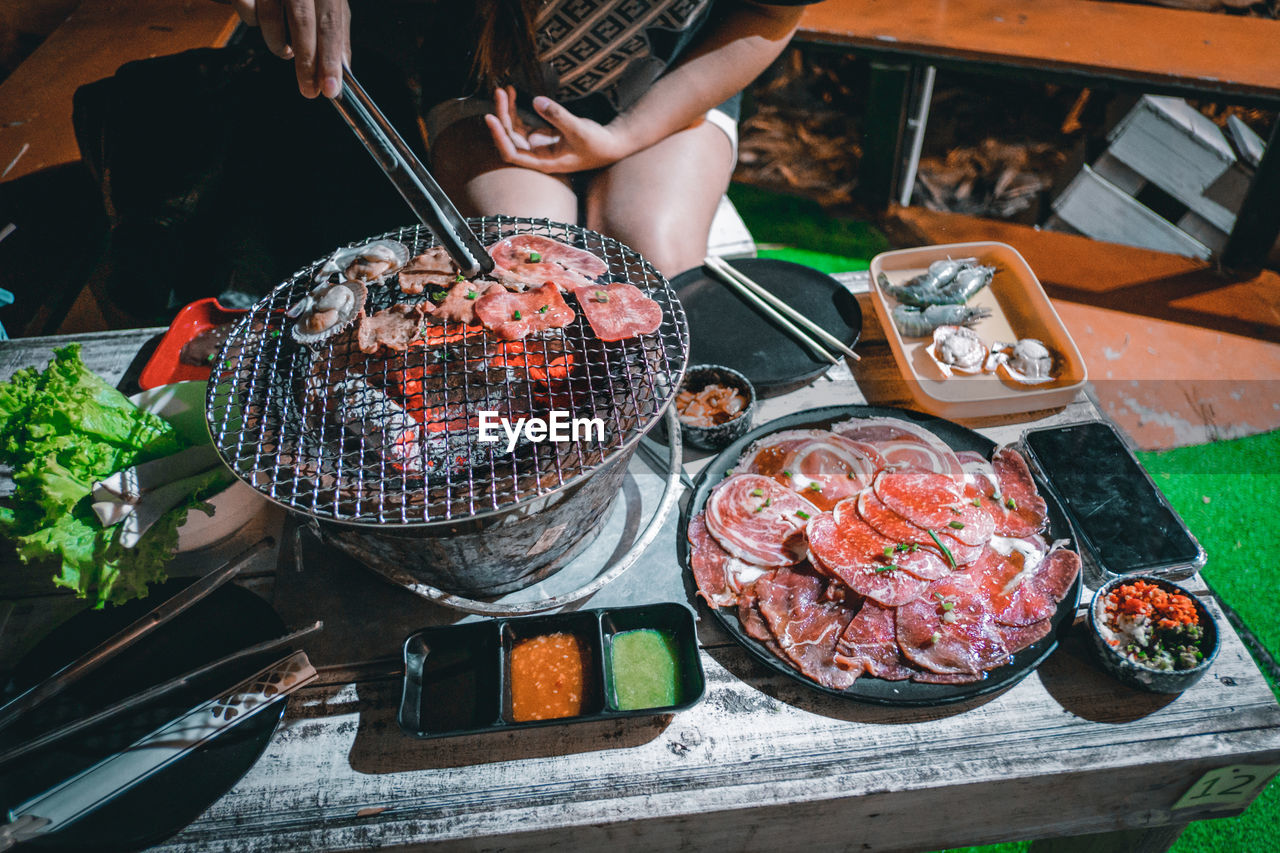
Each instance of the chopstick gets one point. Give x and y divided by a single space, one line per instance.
727 271
152 693
72 672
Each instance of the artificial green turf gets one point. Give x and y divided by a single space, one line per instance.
1228 492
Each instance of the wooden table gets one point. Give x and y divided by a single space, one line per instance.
762 763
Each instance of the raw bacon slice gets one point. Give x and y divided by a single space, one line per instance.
525 258
1058 572
903 443
769 455
806 627
914 558
932 501
618 311
827 468
432 269
1018 509
719 575
512 316
753 624
759 520
949 629
854 554
459 305
889 524
870 644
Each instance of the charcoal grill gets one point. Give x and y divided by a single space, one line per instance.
452 512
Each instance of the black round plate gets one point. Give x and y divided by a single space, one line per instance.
726 329
227 620
866 688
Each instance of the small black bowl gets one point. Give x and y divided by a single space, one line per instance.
1134 674
721 435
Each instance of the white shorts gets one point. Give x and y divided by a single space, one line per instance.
446 113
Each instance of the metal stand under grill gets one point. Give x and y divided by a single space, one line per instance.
384 451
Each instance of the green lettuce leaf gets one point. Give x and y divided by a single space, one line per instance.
62 429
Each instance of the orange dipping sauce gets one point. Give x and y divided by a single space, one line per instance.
546 678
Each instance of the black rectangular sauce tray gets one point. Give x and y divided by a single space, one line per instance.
457 677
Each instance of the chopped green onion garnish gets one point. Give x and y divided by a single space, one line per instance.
756 493
802 514
1011 503
887 568
471 294
786 473
977 501
937 635
601 296
948 605
956 525
275 333
543 309
815 487
459 277
767 502
888 550
535 257
945 550
516 315
437 295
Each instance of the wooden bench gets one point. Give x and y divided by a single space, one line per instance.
1120 46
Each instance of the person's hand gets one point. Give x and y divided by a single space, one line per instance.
315 34
572 144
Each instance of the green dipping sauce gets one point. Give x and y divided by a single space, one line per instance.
645 668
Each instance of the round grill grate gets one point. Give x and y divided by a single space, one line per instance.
410 452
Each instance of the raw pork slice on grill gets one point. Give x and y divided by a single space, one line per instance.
531 257
950 630
393 328
618 311
432 269
459 304
847 549
806 626
512 316
720 576
759 520
902 443
870 644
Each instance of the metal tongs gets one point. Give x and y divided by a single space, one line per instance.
411 178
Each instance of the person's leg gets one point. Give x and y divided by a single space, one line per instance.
661 201
467 166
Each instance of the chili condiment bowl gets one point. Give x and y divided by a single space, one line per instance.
1135 674
464 679
721 435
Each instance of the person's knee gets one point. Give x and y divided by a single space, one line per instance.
671 243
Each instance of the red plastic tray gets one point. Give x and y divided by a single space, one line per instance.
164 367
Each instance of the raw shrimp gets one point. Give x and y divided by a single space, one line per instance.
913 322
947 282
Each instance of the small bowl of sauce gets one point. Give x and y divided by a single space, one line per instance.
715 406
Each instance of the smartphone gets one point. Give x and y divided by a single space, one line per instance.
1122 519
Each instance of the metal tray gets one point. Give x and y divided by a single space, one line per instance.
471 665
866 688
1019 309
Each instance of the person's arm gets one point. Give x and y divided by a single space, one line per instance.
729 58
315 34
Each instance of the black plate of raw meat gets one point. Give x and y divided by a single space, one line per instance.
726 329
868 688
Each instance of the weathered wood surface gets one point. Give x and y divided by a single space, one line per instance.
763 762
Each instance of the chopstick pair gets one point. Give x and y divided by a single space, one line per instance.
782 313
153 693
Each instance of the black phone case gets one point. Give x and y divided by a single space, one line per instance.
1171 570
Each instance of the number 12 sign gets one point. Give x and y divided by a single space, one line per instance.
1228 785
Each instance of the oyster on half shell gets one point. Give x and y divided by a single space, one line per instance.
370 262
1027 362
327 309
957 349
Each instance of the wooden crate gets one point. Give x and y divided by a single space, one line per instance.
1094 206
